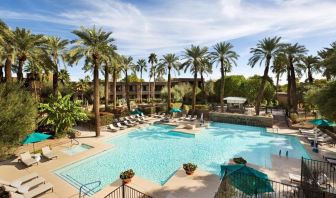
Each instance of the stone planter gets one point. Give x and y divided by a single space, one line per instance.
126 181
190 172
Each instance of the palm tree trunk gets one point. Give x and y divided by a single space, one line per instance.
222 83
1 73
289 102
262 87
277 85
55 76
141 87
114 88
106 87
127 92
8 72
293 87
310 76
169 91
194 92
96 96
154 85
20 69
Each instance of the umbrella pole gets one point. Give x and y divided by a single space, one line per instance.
34 147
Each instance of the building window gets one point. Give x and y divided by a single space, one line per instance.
144 88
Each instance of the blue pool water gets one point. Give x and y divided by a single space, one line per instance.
156 152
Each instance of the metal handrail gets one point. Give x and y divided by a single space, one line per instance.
89 190
75 141
125 191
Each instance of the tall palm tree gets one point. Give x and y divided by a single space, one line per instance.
167 63
194 56
56 48
107 70
311 65
294 54
116 66
140 67
266 50
205 68
28 47
126 65
93 45
152 59
225 55
279 68
328 59
7 42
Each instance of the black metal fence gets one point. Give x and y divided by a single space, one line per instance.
125 191
318 176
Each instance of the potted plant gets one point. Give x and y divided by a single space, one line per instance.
239 160
127 176
189 168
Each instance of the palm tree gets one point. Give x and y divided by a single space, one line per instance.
205 68
167 63
28 47
328 59
116 63
126 65
57 50
107 70
64 77
266 49
140 67
194 56
225 55
152 59
93 45
311 65
294 54
8 49
279 67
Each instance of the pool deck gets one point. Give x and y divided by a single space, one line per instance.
201 184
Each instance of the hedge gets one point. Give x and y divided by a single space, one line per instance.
105 119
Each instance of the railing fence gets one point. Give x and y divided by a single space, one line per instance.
125 191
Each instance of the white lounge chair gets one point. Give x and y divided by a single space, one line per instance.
39 190
322 139
27 159
20 181
188 118
319 133
311 131
127 124
294 177
47 153
194 118
30 185
112 128
120 126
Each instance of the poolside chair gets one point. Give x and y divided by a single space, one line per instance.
166 120
27 159
31 184
193 118
140 121
143 115
187 118
294 177
20 181
121 127
129 120
319 134
157 115
127 124
322 139
112 128
47 153
311 131
41 189
329 156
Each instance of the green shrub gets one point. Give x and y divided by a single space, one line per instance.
189 167
106 118
148 110
202 107
127 174
239 160
161 108
17 116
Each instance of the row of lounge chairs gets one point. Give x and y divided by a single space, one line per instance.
323 180
27 159
126 122
30 185
311 133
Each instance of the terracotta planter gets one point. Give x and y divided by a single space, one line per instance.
190 172
126 181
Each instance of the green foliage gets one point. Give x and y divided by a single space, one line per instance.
62 113
294 117
189 167
127 174
133 78
202 107
17 115
148 110
326 101
179 92
239 160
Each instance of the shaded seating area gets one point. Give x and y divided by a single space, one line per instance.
235 104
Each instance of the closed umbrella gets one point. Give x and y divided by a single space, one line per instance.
247 179
35 137
136 111
175 110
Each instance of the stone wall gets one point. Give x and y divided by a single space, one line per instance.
241 119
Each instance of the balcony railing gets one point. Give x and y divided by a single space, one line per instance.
125 191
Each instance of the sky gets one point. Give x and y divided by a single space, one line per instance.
141 27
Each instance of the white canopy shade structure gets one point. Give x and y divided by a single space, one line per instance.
235 100
235 104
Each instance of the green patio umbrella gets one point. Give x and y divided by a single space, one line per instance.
175 110
247 179
322 122
35 137
136 111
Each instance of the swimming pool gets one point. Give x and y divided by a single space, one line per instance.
156 152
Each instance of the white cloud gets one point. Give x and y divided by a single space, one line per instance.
172 25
